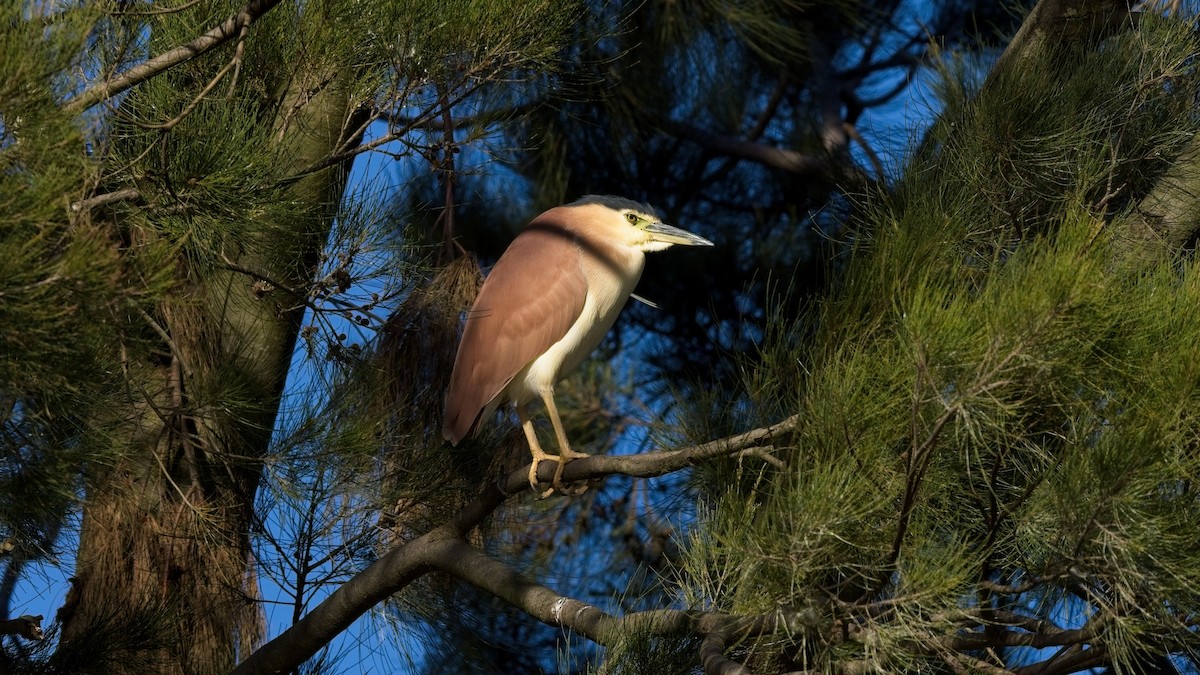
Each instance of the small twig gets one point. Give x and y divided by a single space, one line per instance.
238 55
303 298
340 155
1014 589
187 110
764 453
180 418
159 12
166 337
447 169
124 195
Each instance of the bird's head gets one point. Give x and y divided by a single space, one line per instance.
629 223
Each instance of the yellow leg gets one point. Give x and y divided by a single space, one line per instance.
535 449
565 453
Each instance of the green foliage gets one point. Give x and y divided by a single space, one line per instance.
61 282
429 39
989 402
645 655
69 289
158 251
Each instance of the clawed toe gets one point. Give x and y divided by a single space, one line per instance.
576 488
556 484
533 480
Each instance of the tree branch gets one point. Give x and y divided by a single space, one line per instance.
230 28
27 626
717 629
1165 219
1051 26
123 195
782 159
652 464
404 564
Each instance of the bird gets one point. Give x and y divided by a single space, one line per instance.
546 305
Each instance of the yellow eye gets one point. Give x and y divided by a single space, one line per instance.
632 218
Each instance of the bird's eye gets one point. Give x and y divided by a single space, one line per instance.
632 218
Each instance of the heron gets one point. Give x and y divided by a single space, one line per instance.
547 303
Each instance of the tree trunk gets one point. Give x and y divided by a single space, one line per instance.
163 580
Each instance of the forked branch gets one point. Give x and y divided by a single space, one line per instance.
404 564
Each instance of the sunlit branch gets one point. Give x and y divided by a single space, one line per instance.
651 464
404 564
228 29
124 195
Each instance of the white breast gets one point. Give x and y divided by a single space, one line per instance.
608 291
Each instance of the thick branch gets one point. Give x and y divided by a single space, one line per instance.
717 629
651 464
967 641
826 88
399 567
1071 660
144 71
782 159
1055 23
1051 26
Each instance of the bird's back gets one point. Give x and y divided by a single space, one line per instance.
533 295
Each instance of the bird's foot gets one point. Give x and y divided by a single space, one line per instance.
556 485
576 488
533 479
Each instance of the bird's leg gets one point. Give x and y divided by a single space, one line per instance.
535 449
565 453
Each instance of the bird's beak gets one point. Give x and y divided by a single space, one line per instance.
673 235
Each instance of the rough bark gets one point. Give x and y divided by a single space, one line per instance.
1167 219
164 545
1055 24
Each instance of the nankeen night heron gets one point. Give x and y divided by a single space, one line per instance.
545 306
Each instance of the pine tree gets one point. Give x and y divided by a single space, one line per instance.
994 461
